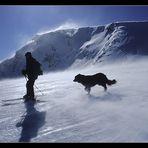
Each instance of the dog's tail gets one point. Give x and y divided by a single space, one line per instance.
111 82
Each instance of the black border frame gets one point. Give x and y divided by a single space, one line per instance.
73 2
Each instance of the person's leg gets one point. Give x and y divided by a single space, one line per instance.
30 87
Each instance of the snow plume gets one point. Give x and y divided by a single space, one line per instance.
66 25
9 56
81 46
24 39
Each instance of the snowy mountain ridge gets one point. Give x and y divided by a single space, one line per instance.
64 112
62 49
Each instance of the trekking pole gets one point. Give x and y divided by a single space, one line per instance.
35 86
26 78
39 90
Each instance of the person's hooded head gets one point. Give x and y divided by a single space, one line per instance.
28 55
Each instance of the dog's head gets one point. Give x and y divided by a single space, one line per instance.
77 78
114 81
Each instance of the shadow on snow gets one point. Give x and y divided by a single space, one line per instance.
107 97
31 122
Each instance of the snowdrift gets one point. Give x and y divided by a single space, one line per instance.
66 113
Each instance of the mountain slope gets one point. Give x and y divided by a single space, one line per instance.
61 49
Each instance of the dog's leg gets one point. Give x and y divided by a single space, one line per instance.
88 89
105 87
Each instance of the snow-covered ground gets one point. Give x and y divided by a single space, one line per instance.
66 113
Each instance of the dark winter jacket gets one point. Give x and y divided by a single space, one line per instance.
32 67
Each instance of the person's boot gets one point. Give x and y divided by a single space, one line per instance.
32 98
25 96
29 97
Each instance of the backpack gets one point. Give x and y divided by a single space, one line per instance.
38 69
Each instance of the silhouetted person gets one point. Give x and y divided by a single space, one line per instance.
31 72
